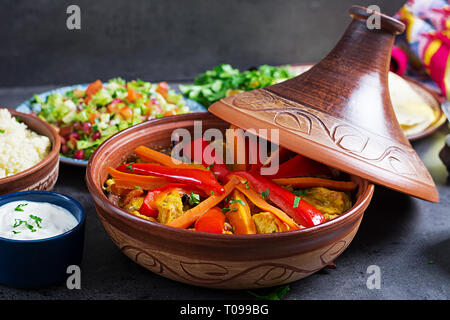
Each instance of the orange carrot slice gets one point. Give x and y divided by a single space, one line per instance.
258 201
151 155
239 215
190 216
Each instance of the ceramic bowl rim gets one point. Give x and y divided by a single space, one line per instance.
53 194
98 194
54 152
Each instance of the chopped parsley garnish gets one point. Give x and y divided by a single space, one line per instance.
129 167
225 210
19 207
299 193
194 199
296 202
37 220
265 194
212 192
29 226
246 185
210 166
276 294
19 222
237 201
2 131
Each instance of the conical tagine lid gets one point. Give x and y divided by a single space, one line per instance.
339 112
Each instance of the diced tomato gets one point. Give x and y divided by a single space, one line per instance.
93 116
212 221
94 87
162 88
133 95
126 112
73 142
66 131
112 107
169 113
153 104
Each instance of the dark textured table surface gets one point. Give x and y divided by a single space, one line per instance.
407 238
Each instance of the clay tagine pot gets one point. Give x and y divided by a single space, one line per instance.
214 260
339 112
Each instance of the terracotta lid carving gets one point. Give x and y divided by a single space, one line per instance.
339 112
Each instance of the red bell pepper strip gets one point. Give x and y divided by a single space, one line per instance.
300 166
212 221
201 179
281 153
149 208
301 211
163 88
219 169
221 172
196 152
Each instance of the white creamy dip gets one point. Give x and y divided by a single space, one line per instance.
28 220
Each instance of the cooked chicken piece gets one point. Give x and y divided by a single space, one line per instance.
131 196
170 207
266 222
108 185
134 204
111 187
137 214
330 203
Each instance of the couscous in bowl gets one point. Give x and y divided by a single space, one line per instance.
42 175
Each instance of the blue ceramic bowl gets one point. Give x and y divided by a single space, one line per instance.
43 262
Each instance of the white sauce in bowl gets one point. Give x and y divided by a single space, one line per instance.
28 220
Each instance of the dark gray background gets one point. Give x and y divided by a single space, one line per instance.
163 40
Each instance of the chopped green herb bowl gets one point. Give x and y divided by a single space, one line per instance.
43 262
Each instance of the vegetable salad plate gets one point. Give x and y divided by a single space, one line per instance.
87 114
416 106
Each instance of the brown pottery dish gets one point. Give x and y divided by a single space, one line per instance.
206 259
43 175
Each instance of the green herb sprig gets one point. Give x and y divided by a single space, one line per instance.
19 207
194 199
237 201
